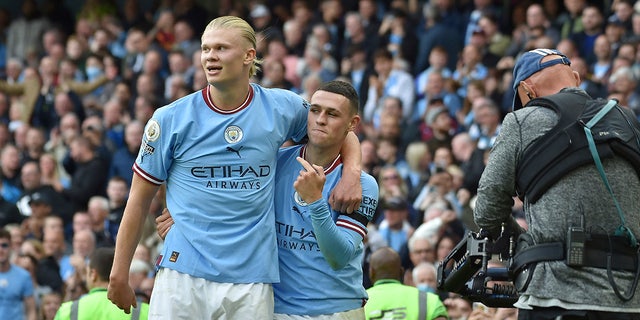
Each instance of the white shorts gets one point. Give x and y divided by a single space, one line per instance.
355 314
180 296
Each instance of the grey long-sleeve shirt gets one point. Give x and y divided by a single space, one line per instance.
580 191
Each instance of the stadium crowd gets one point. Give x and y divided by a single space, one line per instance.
434 80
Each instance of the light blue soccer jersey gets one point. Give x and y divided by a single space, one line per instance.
219 168
15 286
308 283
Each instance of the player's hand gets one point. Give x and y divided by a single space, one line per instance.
164 223
122 295
347 195
310 181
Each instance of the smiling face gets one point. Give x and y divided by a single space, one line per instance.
226 57
329 119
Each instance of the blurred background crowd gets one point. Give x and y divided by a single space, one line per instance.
78 82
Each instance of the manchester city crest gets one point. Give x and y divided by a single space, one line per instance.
298 200
233 134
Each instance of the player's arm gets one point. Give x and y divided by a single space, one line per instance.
347 194
29 307
140 197
338 241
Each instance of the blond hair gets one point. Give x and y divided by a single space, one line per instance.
246 32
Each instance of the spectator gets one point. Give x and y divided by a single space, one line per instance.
274 75
186 39
356 36
49 272
113 122
469 68
487 125
439 122
419 249
424 277
10 173
162 32
623 83
93 129
594 89
49 306
437 34
90 176
370 161
50 172
178 67
25 32
34 188
60 140
388 82
395 228
98 210
418 160
18 289
573 22
398 37
537 25
602 67
124 157
354 67
593 23
438 60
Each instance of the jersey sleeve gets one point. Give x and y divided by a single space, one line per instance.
339 240
155 157
298 129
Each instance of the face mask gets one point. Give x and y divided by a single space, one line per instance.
93 73
425 288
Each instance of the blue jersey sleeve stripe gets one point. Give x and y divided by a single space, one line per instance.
146 176
352 226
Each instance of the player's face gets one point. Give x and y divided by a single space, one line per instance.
225 56
329 119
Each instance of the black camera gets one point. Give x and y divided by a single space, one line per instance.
465 270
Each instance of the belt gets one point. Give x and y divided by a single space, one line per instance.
596 255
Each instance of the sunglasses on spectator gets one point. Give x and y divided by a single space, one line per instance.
4 245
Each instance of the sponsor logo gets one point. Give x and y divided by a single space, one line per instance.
174 256
368 207
235 151
296 210
230 171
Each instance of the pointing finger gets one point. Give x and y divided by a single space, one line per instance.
306 165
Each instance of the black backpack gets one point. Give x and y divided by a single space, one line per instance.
565 147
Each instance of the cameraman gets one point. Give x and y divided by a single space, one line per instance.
550 288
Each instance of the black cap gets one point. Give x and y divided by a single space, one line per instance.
38 197
396 203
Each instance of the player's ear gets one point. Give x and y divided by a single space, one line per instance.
250 56
354 123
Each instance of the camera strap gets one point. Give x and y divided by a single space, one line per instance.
622 230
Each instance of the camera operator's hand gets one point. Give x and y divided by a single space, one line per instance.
480 314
